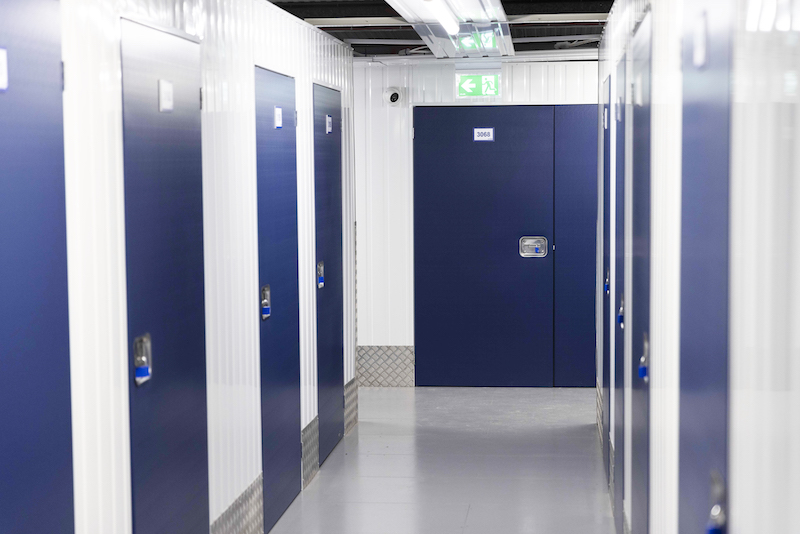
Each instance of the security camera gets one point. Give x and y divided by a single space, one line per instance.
393 96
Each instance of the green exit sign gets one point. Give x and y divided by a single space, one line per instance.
478 84
474 41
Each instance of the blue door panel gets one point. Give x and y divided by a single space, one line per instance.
330 298
619 280
35 428
164 253
276 161
606 325
483 313
704 261
575 166
640 275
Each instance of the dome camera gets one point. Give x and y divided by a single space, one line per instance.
393 96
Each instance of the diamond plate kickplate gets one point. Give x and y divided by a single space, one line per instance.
385 366
310 440
246 514
350 405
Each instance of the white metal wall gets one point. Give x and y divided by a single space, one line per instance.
665 168
236 35
765 294
666 134
384 168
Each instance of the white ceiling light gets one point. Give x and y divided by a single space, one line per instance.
445 12
459 28
444 16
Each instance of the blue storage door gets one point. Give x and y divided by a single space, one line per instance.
483 313
279 312
575 235
640 309
35 431
164 252
607 328
330 297
704 257
619 280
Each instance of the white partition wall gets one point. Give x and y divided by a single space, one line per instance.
764 419
384 164
235 36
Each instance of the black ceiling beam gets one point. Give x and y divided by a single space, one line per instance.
321 10
526 7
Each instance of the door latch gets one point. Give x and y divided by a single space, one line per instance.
644 361
607 286
533 246
142 359
717 517
266 302
320 274
621 312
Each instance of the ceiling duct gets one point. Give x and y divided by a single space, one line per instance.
459 28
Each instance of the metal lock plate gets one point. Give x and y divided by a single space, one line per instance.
266 302
142 359
644 361
320 275
533 246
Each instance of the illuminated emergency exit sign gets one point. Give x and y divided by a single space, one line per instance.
478 85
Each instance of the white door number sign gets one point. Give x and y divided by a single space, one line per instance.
483 134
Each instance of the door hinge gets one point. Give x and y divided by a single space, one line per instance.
201 99
412 133
63 82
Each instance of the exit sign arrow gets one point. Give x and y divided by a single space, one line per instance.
469 85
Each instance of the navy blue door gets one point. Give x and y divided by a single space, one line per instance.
704 259
36 435
483 313
640 275
164 249
606 325
276 159
619 299
575 236
330 297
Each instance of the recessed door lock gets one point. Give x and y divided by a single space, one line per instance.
717 517
142 359
320 274
266 302
644 361
533 246
621 312
607 286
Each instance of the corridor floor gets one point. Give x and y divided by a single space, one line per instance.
461 460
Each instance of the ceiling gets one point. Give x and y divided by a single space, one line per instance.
379 30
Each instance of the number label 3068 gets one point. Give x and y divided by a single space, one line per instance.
483 134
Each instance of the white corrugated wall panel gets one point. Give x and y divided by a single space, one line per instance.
764 418
666 139
384 178
236 35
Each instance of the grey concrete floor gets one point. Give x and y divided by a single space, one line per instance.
461 460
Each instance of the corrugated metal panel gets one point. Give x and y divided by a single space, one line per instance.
764 375
384 170
237 34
